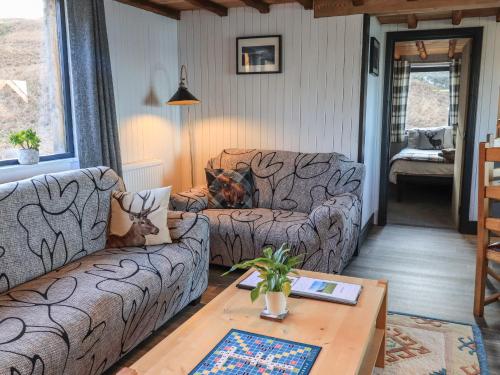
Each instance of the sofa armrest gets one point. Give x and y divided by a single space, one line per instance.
191 232
193 200
337 222
182 225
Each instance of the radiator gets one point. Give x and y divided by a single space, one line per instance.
143 175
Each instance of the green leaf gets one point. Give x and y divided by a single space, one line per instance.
268 252
254 294
286 288
25 139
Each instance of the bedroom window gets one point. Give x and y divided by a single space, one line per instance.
428 99
34 83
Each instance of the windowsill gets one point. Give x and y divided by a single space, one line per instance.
18 172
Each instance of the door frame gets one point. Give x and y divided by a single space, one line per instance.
476 34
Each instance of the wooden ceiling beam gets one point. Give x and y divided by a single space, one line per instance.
210 6
402 18
261 6
452 48
149 6
328 8
412 21
456 17
307 4
421 49
358 3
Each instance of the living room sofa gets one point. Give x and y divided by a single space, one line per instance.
69 306
310 200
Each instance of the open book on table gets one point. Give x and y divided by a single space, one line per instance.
327 290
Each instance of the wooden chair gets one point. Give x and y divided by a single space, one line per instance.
487 225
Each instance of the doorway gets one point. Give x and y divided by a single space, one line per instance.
430 101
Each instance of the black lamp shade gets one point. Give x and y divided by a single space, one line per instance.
182 97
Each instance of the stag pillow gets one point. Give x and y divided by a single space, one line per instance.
432 139
229 188
139 219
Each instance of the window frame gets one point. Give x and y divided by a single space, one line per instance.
66 91
429 69
425 69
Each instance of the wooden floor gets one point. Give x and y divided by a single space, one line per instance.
430 272
421 205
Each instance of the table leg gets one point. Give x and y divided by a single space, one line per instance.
382 324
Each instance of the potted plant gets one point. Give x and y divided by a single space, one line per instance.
29 143
274 269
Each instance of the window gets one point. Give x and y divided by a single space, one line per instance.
428 99
33 77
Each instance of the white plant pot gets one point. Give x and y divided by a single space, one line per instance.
28 156
276 303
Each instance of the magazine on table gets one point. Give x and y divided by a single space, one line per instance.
302 286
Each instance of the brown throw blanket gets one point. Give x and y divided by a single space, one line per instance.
448 154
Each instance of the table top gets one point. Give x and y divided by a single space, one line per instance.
344 332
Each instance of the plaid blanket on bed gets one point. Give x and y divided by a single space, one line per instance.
419 155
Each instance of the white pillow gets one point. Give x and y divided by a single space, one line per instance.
448 137
139 219
413 138
431 139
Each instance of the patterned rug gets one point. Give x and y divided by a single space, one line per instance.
423 346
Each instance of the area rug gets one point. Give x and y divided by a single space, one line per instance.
419 345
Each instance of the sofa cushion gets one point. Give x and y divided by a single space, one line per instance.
230 188
83 317
239 234
51 220
286 180
432 139
139 219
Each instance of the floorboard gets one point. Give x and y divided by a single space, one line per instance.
421 205
430 272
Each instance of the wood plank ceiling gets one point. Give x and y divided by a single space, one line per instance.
449 48
387 11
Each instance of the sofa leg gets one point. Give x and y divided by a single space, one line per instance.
195 302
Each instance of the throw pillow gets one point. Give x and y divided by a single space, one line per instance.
229 188
139 219
413 138
449 141
431 139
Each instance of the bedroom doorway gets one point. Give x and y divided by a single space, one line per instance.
429 123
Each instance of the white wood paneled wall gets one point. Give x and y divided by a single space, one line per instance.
373 130
489 86
144 59
313 106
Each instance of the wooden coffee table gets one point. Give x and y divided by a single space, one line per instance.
352 337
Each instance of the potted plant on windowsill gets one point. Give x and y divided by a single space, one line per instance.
274 269
29 143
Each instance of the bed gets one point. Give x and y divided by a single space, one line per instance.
413 165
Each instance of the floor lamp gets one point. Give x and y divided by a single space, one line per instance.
184 97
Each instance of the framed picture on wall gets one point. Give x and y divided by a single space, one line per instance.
259 54
374 56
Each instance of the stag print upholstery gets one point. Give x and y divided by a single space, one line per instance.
312 201
432 139
140 218
51 220
83 317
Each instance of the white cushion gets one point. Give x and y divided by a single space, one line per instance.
415 140
139 219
